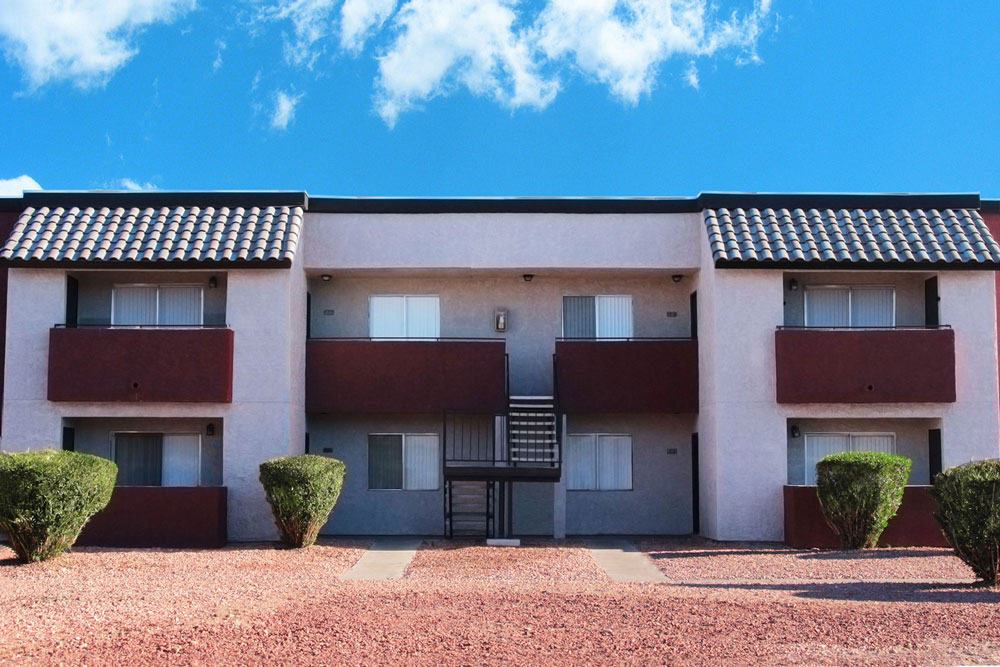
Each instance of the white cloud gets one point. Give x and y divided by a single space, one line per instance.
220 47
311 23
134 186
359 17
284 110
83 41
622 43
472 43
691 75
15 187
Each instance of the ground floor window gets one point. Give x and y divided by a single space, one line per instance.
157 459
598 462
821 445
404 461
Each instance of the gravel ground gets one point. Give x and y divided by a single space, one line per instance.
533 561
696 559
251 605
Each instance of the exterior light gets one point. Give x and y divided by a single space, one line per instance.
210 429
793 285
677 277
326 277
528 277
213 282
795 431
500 319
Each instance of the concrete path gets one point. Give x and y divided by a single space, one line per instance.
621 561
385 559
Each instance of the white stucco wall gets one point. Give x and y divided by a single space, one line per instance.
501 241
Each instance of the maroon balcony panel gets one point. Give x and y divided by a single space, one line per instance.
160 516
913 526
362 376
627 376
858 366
141 365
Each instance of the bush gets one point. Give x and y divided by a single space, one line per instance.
302 491
859 493
47 497
969 513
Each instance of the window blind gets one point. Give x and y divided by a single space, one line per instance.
139 457
421 462
385 462
180 305
134 305
614 316
181 459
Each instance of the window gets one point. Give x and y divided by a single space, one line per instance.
821 445
404 317
408 461
599 462
597 316
829 306
157 459
157 305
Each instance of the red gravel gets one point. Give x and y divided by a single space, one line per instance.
533 561
695 559
255 605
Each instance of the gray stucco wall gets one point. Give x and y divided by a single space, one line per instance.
911 441
909 289
95 291
660 309
660 500
93 436
361 511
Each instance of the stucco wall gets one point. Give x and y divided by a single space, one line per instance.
909 290
501 241
534 310
95 288
911 441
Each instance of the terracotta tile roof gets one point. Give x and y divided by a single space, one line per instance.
169 234
919 236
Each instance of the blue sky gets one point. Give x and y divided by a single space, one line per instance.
496 97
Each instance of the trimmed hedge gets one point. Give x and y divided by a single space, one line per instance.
859 493
969 513
302 491
47 497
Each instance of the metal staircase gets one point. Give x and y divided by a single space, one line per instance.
468 508
532 429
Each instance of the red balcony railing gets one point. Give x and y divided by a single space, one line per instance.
906 365
141 365
406 376
627 376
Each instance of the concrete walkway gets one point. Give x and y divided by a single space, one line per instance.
385 559
621 561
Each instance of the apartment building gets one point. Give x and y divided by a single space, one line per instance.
496 366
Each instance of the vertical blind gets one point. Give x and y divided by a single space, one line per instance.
149 305
404 317
134 305
821 445
581 458
385 462
411 462
597 316
598 462
139 457
180 305
872 307
850 307
181 459
420 460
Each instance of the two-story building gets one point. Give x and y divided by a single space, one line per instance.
496 366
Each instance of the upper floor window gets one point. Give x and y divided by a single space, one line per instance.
597 316
157 459
838 306
404 316
821 445
157 305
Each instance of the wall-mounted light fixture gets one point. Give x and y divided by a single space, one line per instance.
500 319
795 431
326 277
528 277
213 282
210 429
677 277
793 285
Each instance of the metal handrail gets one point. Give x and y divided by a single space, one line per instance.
906 327
391 339
140 326
627 340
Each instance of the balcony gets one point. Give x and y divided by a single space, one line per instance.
363 376
128 365
902 365
627 376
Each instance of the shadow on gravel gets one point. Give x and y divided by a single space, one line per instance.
8 562
868 554
876 592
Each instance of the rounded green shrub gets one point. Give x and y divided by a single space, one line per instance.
302 491
859 493
47 497
968 499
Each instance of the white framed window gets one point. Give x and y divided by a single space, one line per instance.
157 305
598 462
404 461
602 316
820 445
404 316
157 459
857 306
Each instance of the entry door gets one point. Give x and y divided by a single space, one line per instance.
181 459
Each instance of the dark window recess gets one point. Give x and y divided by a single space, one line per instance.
385 462
69 439
307 443
309 319
934 452
931 301
694 316
72 301
695 501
